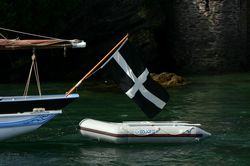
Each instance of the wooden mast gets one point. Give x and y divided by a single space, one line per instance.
97 65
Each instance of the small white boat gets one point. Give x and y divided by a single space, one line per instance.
23 114
142 131
12 125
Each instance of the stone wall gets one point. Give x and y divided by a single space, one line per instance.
211 35
248 30
174 35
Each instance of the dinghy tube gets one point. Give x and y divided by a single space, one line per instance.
142 131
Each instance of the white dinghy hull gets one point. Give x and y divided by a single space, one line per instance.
12 125
142 132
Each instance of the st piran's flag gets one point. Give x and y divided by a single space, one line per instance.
129 72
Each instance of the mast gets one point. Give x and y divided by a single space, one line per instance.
98 65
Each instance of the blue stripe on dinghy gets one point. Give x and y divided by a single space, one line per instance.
37 120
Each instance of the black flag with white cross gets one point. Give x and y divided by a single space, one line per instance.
129 72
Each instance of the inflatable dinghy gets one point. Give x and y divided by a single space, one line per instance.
142 131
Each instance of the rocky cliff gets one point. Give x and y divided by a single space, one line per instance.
212 35
174 35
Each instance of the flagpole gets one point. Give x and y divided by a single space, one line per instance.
97 65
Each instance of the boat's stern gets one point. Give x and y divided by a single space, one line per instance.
201 134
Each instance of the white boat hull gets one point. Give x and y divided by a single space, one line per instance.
142 132
12 125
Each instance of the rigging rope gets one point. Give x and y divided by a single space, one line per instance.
3 36
35 67
28 80
30 34
37 78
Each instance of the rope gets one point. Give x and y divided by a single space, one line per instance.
35 67
37 78
30 34
28 80
3 36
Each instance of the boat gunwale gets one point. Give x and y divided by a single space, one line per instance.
36 97
32 113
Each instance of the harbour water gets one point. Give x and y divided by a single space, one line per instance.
221 103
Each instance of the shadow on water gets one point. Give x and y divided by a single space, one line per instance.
220 103
90 152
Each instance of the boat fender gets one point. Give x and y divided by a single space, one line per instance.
38 109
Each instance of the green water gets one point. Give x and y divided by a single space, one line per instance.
220 103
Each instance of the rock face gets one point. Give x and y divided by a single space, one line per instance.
174 35
169 79
211 35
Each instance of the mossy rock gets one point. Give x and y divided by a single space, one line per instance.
169 79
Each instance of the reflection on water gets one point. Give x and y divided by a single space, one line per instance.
220 103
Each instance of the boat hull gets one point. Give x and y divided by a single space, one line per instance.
12 125
142 132
20 104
